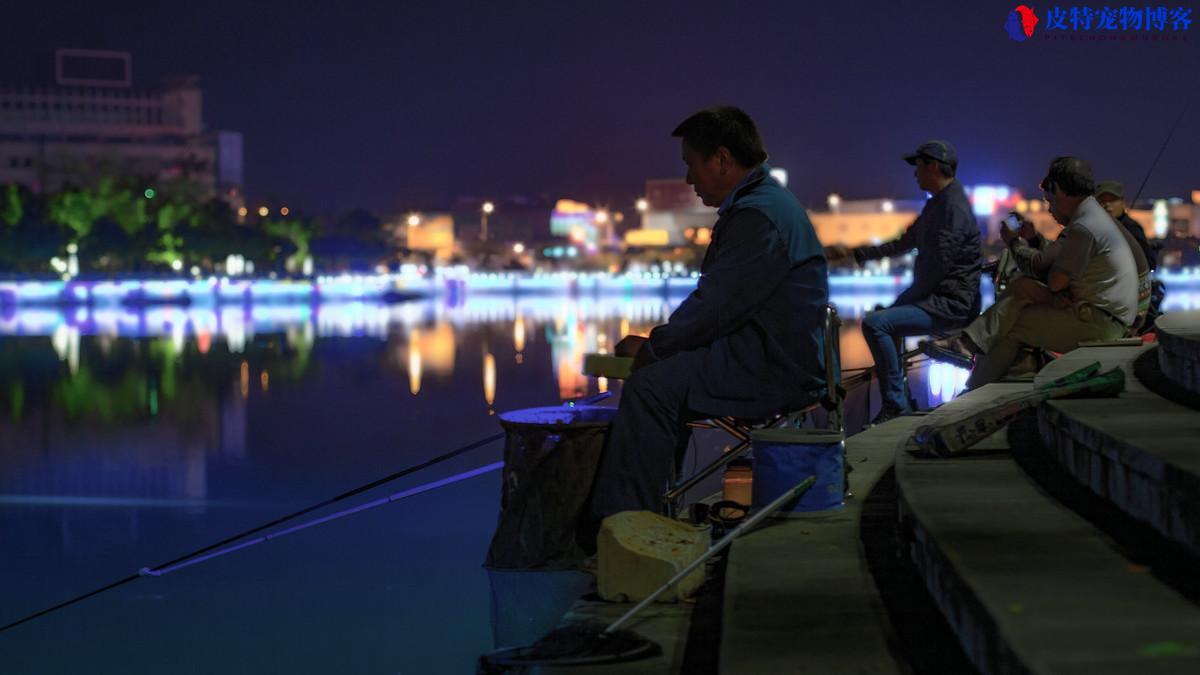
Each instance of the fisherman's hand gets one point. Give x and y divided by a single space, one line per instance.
642 358
1007 234
1028 230
838 253
629 345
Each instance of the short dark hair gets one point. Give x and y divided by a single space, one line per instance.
1072 175
726 126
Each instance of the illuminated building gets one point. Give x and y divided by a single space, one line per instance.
515 218
91 116
864 221
672 208
576 221
432 233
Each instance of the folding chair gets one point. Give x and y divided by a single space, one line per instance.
831 399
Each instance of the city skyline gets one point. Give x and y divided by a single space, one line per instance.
415 107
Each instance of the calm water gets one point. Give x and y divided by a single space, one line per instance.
129 438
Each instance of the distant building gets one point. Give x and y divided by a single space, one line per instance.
431 233
674 215
861 222
89 115
513 219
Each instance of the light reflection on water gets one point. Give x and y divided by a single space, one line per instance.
131 436
423 338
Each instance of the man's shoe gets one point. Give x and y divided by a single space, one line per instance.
886 415
952 350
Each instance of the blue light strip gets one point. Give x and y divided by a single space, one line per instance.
443 281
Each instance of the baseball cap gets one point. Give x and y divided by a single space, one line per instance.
941 151
1112 187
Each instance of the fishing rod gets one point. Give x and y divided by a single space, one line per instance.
1186 104
227 545
150 571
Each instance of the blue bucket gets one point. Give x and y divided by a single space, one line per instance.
785 457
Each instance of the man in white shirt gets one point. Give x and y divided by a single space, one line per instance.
1093 281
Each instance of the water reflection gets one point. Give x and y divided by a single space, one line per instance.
423 340
130 436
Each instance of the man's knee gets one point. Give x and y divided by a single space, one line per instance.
875 323
1026 288
639 383
662 381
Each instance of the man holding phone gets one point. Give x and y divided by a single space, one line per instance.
1026 263
1091 288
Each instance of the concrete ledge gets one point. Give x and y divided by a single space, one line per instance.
1139 451
1029 586
799 597
1179 348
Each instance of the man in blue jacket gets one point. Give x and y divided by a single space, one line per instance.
747 342
945 290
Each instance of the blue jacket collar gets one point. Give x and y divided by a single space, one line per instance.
754 177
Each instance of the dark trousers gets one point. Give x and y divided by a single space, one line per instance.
649 437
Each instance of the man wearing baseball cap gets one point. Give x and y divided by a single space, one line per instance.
945 290
1111 196
1091 290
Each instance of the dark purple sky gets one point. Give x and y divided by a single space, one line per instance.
406 104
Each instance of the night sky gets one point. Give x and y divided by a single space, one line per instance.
410 105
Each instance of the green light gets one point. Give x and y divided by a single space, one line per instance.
149 193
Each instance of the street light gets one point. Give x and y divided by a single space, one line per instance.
263 211
488 207
414 220
643 205
834 202
284 211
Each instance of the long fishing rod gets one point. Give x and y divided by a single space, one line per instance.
180 561
224 546
1186 104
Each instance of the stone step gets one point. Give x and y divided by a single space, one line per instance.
799 597
1179 348
1028 585
1139 451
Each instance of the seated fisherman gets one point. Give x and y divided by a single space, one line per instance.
1111 195
944 294
1034 258
1091 288
747 342
1026 264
